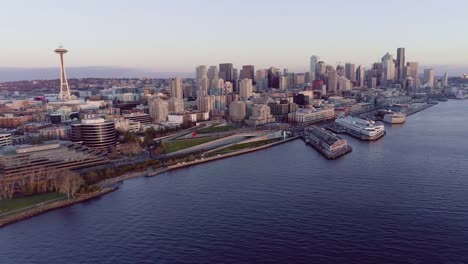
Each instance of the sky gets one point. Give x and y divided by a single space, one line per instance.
178 35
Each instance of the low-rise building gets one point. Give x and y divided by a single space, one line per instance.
311 115
260 115
5 139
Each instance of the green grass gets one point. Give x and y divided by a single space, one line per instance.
215 129
173 146
244 146
8 205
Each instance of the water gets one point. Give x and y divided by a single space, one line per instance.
403 199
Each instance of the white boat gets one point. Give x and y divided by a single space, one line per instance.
460 95
363 129
394 117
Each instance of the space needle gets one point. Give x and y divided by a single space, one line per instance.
64 89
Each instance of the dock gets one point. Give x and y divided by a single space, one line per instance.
336 128
327 143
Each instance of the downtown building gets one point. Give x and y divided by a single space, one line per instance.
261 115
158 109
96 133
311 115
175 85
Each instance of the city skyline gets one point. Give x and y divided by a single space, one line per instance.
155 36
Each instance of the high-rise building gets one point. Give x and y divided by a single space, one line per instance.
158 109
237 111
175 105
201 72
226 72
299 80
213 73
175 85
429 78
313 67
340 70
445 81
400 64
245 89
350 72
64 93
388 69
95 133
283 83
321 71
206 103
248 71
203 85
360 75
413 70
332 81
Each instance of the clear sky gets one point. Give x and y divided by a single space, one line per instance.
177 35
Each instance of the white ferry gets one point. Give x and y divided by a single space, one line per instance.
360 128
394 117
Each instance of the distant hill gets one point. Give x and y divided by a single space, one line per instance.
28 74
20 74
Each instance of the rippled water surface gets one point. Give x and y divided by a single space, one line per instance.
403 199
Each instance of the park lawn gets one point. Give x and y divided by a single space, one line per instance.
8 205
215 129
245 146
173 146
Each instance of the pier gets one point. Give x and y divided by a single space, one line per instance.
328 144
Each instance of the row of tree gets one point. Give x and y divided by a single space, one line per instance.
41 181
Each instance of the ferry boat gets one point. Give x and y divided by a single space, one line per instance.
460 95
360 128
391 117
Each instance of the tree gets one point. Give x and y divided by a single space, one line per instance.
70 182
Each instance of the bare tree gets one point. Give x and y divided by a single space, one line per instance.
70 182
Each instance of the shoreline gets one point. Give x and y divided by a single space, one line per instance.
145 173
218 157
8 220
107 184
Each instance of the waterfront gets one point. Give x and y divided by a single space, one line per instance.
400 199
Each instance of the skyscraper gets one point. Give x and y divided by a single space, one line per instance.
213 73
360 75
388 69
248 71
332 81
283 83
313 67
413 71
175 85
202 86
400 64
429 78
320 71
201 72
245 89
340 70
226 71
445 81
64 93
350 71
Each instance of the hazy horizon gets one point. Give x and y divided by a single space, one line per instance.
9 74
170 36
